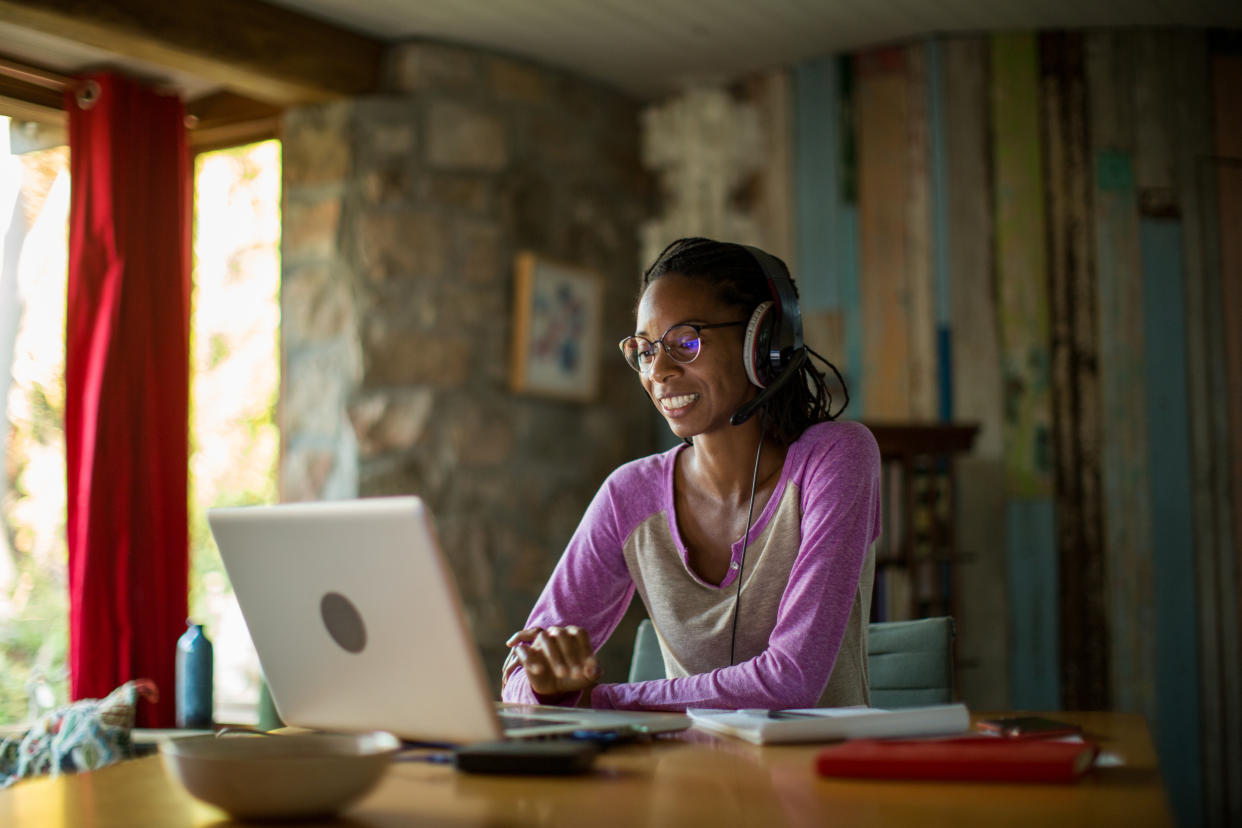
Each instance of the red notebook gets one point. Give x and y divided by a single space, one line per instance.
971 759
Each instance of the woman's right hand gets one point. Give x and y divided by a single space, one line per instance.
557 660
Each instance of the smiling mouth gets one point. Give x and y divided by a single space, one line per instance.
679 401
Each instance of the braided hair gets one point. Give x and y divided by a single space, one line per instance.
732 272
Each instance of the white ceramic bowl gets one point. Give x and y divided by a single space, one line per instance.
280 776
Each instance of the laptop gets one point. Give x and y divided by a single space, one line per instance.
357 622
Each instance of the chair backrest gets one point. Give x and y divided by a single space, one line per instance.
647 663
910 662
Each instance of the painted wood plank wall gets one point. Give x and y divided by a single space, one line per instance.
772 95
1024 335
1123 381
884 188
983 615
938 172
817 190
1058 168
1021 259
1228 71
1192 113
920 287
1225 289
1162 234
1176 728
1075 394
846 233
976 357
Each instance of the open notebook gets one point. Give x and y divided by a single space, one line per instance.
822 724
356 618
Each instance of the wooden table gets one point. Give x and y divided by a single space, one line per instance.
692 779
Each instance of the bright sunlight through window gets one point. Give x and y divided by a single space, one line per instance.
234 387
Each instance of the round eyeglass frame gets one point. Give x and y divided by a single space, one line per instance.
698 329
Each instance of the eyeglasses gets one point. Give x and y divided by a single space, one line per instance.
681 342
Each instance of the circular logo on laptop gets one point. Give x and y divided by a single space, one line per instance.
343 622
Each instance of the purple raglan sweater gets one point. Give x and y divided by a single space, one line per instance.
806 590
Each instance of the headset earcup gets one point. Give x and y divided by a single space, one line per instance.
755 346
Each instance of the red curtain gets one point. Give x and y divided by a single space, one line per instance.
127 387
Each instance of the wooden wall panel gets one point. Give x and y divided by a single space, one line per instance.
772 95
1193 146
1176 728
846 235
1021 276
1162 234
883 111
1032 575
1224 292
1021 263
938 173
920 287
1075 395
1228 73
817 194
976 354
1123 377
983 623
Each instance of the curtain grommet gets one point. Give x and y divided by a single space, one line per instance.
88 94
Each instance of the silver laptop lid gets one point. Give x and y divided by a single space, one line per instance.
356 618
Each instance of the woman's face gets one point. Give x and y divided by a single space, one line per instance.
696 397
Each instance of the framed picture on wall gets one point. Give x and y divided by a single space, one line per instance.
556 329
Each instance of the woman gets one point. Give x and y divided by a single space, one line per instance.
671 525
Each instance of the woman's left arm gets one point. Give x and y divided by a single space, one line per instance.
840 521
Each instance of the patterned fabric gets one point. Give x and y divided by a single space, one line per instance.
85 735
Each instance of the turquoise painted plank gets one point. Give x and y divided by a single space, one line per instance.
944 368
845 235
851 305
1172 527
817 183
1034 619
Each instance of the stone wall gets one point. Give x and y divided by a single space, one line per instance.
402 215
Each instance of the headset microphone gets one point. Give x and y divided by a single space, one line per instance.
748 409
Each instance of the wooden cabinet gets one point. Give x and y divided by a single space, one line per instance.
917 554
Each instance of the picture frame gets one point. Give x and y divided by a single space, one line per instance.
556 328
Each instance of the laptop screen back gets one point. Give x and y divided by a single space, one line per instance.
356 618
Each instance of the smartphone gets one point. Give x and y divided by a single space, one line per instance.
526 757
1031 727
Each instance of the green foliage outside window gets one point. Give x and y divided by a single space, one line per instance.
234 388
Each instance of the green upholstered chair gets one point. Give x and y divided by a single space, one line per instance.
910 662
647 663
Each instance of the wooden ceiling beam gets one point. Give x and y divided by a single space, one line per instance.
30 102
225 119
217 120
248 46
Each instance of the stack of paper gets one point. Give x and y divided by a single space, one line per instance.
824 724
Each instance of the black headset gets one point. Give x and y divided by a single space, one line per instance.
773 350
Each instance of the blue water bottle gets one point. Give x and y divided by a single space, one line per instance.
194 677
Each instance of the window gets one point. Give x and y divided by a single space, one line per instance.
234 386
34 600
235 381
